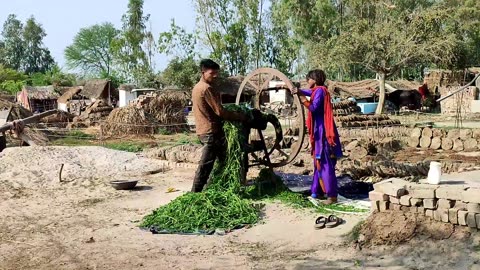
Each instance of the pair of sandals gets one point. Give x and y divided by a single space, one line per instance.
331 222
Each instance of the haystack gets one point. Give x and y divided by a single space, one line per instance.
128 120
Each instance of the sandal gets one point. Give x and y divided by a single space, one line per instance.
320 222
333 221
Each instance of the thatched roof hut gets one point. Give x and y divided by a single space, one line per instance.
70 94
230 86
38 98
98 89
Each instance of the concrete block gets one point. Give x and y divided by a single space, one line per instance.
471 195
451 192
416 202
477 219
445 204
430 203
460 205
378 196
436 215
422 191
462 217
443 213
400 182
453 215
395 200
473 208
391 189
375 205
429 213
421 210
471 221
405 200
383 206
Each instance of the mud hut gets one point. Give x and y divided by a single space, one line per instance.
73 101
38 98
100 89
229 87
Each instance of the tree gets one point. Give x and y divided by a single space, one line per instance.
12 47
178 42
385 38
55 77
129 50
91 50
36 57
181 72
11 80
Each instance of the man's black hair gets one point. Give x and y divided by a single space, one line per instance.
206 64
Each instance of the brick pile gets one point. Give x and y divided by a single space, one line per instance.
450 203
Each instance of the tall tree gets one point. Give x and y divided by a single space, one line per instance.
36 57
129 47
12 47
181 72
91 50
384 38
178 42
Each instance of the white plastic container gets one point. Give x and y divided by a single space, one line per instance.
435 173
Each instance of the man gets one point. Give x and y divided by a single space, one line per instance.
209 113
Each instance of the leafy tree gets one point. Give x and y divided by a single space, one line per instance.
181 72
178 42
12 47
225 32
385 38
91 49
129 47
36 57
11 80
55 77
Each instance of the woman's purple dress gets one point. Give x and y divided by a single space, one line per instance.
323 151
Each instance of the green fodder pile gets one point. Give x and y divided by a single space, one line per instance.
225 204
220 206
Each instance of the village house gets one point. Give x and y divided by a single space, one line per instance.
77 98
38 98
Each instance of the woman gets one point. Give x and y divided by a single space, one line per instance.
324 139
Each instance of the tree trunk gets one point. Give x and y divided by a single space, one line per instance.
381 98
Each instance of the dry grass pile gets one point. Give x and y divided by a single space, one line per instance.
129 120
168 108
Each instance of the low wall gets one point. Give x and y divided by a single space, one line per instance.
457 204
446 139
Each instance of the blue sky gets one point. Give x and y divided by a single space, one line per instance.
62 19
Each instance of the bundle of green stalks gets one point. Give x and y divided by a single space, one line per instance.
220 205
225 204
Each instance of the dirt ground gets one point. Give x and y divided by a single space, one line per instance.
83 223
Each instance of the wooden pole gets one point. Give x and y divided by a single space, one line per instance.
28 120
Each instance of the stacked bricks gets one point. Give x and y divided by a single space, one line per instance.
451 203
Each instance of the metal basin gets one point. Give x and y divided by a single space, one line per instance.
123 184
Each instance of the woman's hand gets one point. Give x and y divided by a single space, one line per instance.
294 91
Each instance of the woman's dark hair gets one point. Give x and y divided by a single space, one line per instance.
207 64
318 76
